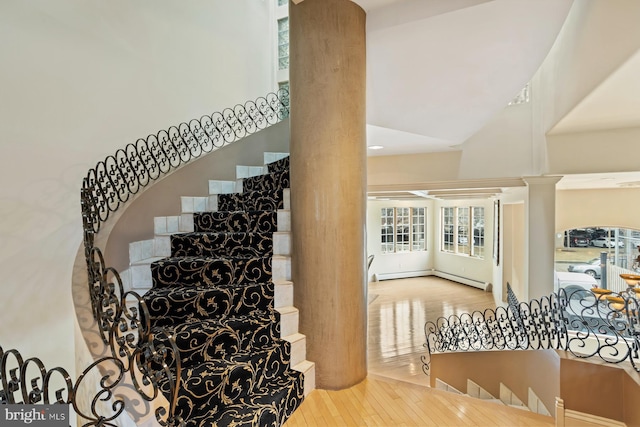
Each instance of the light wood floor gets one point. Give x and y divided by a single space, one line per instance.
397 392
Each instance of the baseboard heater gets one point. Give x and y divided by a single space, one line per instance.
401 275
422 273
464 280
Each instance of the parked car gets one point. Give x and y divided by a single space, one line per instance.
578 237
592 268
579 241
605 242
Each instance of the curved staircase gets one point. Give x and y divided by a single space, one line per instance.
218 277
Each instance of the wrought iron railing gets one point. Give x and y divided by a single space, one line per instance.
139 356
113 181
586 323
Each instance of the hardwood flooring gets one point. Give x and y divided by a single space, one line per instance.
396 391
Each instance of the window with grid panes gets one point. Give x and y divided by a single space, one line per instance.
387 230
402 230
477 249
448 226
463 231
418 232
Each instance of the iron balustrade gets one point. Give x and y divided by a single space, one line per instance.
141 357
586 323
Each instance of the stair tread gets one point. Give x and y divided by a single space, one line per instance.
146 261
295 337
287 309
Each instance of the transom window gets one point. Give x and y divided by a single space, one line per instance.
403 229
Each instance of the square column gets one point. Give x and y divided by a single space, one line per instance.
541 230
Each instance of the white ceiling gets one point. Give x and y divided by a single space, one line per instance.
422 97
615 103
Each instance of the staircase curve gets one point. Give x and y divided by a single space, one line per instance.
204 315
218 276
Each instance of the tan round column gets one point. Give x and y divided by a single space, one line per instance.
328 185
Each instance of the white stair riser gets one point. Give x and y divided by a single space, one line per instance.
140 250
249 171
194 204
173 224
186 223
283 295
125 277
281 268
162 246
223 187
213 203
166 224
308 369
282 243
141 276
284 220
270 157
286 195
288 322
298 348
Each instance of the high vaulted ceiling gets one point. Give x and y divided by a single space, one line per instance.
439 70
428 95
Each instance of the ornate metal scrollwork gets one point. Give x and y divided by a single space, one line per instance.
583 322
148 361
114 180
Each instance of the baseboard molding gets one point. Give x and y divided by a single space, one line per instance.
402 275
422 273
464 280
591 419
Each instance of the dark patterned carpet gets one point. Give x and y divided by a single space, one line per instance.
216 294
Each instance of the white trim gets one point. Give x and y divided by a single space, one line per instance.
403 274
464 280
422 273
593 419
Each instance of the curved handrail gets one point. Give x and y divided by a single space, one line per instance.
114 180
586 323
142 356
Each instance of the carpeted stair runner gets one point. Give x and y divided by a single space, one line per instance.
215 293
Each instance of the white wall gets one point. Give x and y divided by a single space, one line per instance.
597 38
397 263
80 79
406 263
604 208
506 143
474 268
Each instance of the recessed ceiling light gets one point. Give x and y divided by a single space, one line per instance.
376 147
